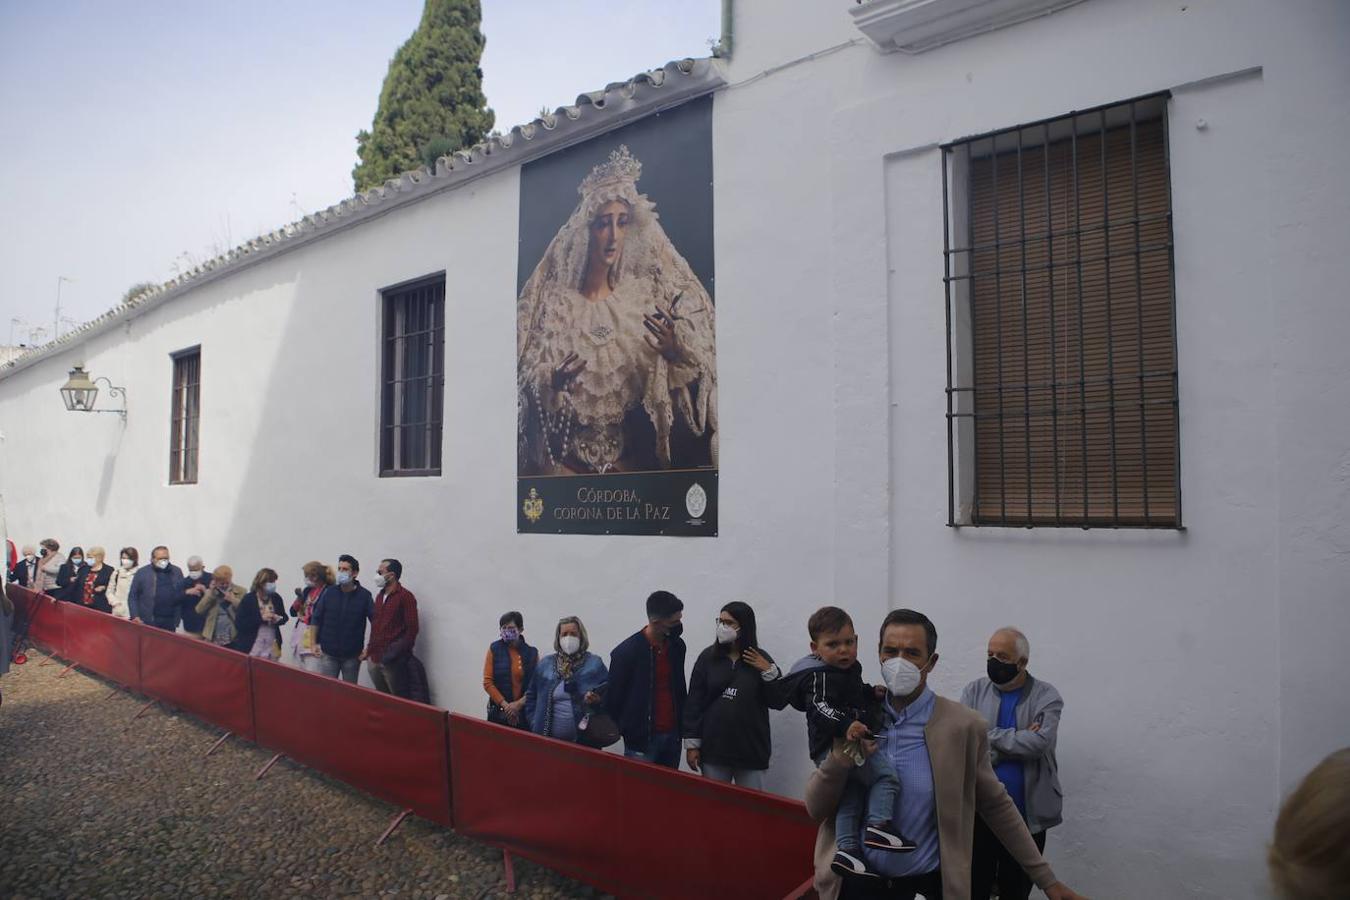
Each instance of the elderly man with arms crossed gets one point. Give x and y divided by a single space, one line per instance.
940 750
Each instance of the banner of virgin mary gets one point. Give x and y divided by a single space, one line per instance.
616 349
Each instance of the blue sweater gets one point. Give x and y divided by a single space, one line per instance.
629 695
339 620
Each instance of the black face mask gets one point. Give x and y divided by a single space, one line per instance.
675 630
1001 672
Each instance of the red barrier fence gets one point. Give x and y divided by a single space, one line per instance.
102 643
384 745
629 828
209 682
46 622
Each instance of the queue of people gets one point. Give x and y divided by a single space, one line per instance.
340 624
915 794
888 756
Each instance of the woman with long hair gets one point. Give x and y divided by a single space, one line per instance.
566 683
726 717
70 577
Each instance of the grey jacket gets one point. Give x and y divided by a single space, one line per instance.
1040 703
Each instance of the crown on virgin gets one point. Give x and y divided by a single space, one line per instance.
622 166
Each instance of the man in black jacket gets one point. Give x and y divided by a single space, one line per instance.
192 588
647 689
24 573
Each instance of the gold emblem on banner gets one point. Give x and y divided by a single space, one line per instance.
533 506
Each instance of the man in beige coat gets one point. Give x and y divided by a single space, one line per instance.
218 607
939 809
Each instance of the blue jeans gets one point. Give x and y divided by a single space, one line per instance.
663 748
746 778
332 666
872 786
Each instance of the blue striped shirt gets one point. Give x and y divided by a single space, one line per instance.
916 810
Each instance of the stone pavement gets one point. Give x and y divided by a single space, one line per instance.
94 804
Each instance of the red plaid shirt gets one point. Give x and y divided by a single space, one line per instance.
395 621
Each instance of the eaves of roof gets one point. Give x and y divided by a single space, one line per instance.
593 113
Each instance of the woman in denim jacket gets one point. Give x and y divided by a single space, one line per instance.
565 683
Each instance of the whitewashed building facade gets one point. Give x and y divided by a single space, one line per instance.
1200 656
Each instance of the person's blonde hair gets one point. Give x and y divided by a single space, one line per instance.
319 571
571 620
97 551
1309 857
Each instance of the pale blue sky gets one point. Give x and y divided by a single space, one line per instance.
132 133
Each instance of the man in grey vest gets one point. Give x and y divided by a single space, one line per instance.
1023 715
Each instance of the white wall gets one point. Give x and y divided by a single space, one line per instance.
1199 668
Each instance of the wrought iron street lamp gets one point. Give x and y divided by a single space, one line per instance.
79 393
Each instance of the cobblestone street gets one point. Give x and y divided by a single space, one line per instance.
98 804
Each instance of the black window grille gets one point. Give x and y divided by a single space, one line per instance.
1061 323
185 416
413 378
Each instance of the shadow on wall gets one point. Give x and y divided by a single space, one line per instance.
105 482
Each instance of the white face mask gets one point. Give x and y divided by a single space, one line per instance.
195 573
75 561
344 577
726 634
569 643
902 676
126 563
270 587
161 564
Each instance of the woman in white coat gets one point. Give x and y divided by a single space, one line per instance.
120 585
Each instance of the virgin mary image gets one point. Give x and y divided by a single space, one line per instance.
615 350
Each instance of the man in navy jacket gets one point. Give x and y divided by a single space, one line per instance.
154 595
647 687
24 572
339 622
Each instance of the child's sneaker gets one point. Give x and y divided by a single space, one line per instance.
883 839
850 866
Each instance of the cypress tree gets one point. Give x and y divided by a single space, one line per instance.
432 99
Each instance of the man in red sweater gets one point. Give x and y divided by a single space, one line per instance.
393 631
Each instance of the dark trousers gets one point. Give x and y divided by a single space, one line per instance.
663 748
497 716
991 864
929 885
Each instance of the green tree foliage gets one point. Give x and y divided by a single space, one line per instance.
434 149
432 99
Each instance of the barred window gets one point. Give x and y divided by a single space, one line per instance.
1061 367
413 378
184 416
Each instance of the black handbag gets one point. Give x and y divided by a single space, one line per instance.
598 729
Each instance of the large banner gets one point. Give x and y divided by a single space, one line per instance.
616 350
